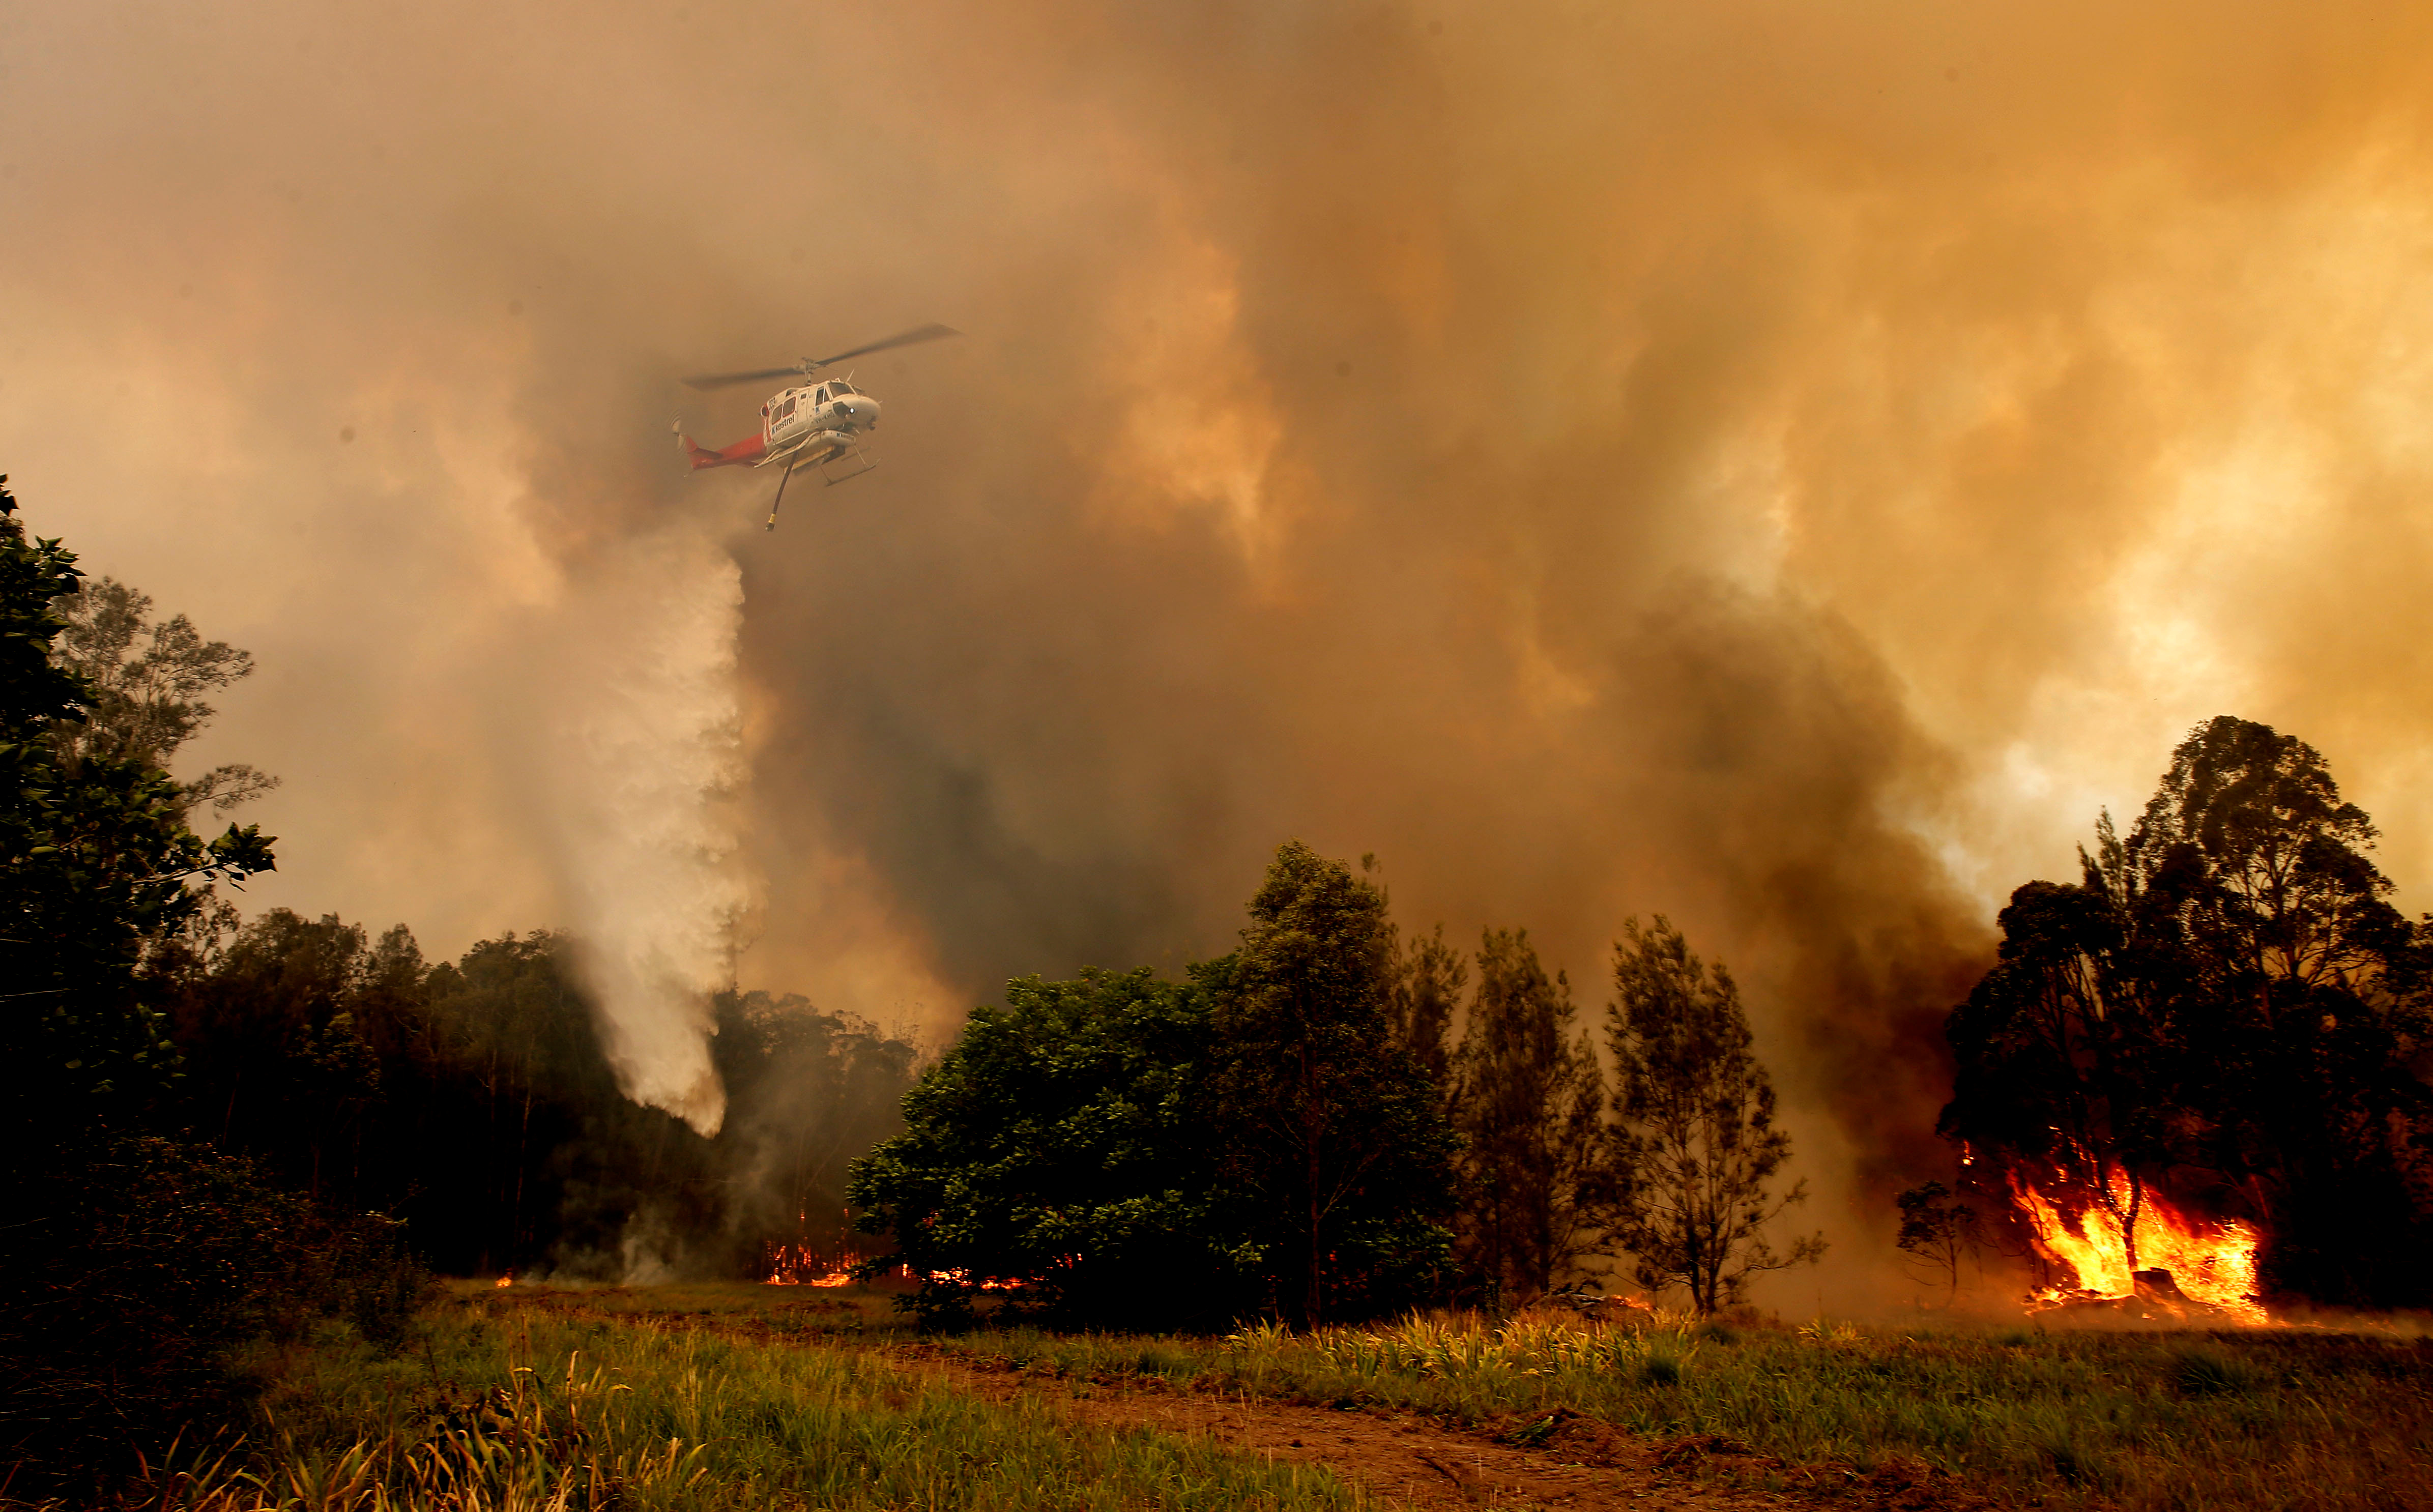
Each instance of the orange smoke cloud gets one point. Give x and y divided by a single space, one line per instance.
1781 466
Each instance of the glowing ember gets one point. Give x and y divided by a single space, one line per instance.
507 1279
964 1277
2210 1264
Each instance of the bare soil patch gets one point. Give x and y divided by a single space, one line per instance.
1555 1460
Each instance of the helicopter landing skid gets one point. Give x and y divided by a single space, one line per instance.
862 461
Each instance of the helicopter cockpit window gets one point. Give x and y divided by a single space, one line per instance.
786 409
840 390
820 396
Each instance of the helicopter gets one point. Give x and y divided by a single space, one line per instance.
814 423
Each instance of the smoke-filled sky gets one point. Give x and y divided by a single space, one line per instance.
1782 466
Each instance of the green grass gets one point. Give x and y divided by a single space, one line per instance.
585 1400
741 1396
2279 1418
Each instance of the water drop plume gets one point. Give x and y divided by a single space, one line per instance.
647 757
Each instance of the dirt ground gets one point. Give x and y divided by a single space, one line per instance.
1576 1464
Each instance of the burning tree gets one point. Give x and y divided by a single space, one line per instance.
2226 1003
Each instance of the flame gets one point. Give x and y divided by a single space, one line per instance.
2210 1264
960 1277
506 1280
797 1264
793 1264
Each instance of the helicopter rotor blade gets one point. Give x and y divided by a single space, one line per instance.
902 338
757 376
812 364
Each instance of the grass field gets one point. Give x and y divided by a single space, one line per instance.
2270 1418
623 1401
718 1397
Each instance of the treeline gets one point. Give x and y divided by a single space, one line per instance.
474 1101
1292 1131
213 1133
2225 1007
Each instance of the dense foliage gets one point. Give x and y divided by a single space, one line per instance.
1252 1138
1289 1134
216 1133
2226 1004
1529 1103
1063 1143
475 1101
126 1259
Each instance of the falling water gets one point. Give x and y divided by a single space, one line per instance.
649 750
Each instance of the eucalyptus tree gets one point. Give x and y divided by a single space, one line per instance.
1696 1148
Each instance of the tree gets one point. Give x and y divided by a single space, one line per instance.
807 1092
129 1262
1696 1144
1064 1144
2062 1049
2226 1001
1335 1140
1428 979
1938 1229
1538 1169
143 706
97 868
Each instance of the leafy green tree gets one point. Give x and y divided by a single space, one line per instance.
129 1262
1152 1152
1064 1144
1335 1140
97 868
1696 1145
1537 1164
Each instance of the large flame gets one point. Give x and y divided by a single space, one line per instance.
2209 1263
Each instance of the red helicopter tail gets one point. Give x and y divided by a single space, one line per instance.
748 450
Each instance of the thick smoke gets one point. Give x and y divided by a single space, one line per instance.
1785 467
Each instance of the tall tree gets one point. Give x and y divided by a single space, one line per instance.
98 868
807 1092
2062 1051
127 1262
2227 1001
1939 1229
1337 1144
1428 981
1696 1145
1537 1167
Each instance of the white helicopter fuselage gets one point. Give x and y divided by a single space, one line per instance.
812 422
